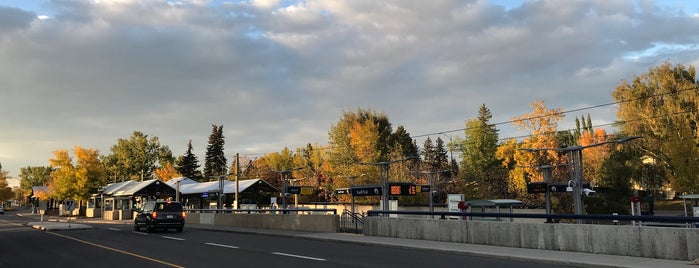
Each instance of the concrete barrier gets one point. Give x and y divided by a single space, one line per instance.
650 242
295 222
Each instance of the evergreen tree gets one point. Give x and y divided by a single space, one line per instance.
428 155
480 164
215 164
188 165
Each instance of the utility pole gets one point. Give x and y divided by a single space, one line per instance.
237 175
576 168
383 176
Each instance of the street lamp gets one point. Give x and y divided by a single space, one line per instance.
383 175
576 167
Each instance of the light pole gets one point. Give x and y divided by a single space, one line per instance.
576 168
350 187
282 174
431 182
383 175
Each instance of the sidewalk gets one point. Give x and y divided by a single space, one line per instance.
546 256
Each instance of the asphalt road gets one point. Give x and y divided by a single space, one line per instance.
110 245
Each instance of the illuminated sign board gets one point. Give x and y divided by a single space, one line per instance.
402 189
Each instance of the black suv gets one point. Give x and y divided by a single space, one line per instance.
160 215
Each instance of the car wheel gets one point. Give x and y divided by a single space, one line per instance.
179 229
149 229
136 227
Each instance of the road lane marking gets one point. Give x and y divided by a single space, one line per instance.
116 250
298 256
114 229
220 245
134 232
173 238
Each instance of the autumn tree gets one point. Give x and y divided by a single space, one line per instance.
360 137
215 163
542 123
5 190
136 158
661 106
167 172
76 180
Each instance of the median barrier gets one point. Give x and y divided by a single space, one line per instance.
637 241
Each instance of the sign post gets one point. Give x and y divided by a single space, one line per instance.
69 205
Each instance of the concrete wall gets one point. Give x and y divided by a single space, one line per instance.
295 222
651 242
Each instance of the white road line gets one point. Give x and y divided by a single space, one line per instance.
134 232
173 238
114 229
220 245
298 256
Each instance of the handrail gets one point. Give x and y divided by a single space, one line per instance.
444 214
354 215
249 211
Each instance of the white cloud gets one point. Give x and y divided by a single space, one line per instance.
279 74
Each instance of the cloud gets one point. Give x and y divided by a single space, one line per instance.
280 73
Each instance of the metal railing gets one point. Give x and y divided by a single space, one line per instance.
688 221
265 211
351 222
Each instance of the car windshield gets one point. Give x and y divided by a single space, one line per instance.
170 207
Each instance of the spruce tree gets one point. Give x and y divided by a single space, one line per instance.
215 164
188 165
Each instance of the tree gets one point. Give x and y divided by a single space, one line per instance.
135 158
661 106
63 181
5 191
215 163
89 172
188 165
361 136
79 180
33 176
542 122
479 160
167 172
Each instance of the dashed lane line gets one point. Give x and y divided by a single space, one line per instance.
221 245
298 256
172 238
116 250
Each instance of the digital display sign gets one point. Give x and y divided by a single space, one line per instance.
402 189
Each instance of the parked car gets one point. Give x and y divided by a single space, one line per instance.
160 215
2 210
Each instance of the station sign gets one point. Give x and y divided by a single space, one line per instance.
370 190
340 191
542 187
302 190
423 188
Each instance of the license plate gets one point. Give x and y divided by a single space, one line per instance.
170 216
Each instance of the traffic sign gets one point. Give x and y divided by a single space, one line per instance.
69 205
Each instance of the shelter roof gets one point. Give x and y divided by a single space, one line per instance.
494 202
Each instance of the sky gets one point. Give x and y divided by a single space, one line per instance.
280 74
